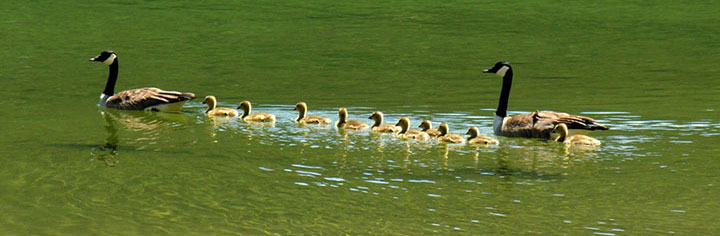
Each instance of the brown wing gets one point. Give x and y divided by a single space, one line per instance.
572 121
139 99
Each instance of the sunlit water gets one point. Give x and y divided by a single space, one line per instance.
70 167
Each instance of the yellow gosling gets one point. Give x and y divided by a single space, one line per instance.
301 107
256 117
577 139
344 123
447 137
213 110
407 133
476 138
426 126
378 126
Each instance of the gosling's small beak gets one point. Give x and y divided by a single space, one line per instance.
467 132
397 124
419 126
370 118
295 109
204 102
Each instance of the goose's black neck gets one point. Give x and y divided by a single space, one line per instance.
112 78
505 94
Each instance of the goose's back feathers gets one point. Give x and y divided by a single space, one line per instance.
481 139
222 111
432 132
148 99
581 140
540 124
451 138
315 120
384 128
260 117
415 134
353 124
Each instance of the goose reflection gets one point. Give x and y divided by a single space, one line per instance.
149 125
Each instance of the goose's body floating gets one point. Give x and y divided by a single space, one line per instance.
476 138
378 126
426 127
213 110
344 123
152 99
246 107
301 107
447 137
533 125
407 133
577 139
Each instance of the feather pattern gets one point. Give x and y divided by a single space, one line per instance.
145 98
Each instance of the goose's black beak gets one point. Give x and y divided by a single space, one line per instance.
487 71
93 59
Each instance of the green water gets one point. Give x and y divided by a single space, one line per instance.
648 69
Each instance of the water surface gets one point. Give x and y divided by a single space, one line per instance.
646 69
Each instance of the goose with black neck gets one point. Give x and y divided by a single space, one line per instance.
532 125
149 99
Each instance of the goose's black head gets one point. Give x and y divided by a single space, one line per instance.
499 68
107 57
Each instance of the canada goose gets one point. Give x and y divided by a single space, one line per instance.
301 107
344 123
426 127
406 132
533 125
212 110
476 138
152 99
378 126
259 116
577 139
447 137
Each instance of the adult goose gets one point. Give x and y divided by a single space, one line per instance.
213 110
378 126
246 107
152 99
344 123
301 107
577 139
533 125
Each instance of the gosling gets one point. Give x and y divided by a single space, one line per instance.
406 133
476 138
344 123
577 139
301 107
378 126
426 127
212 110
255 117
447 137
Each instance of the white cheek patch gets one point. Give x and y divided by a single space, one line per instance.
110 59
501 71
